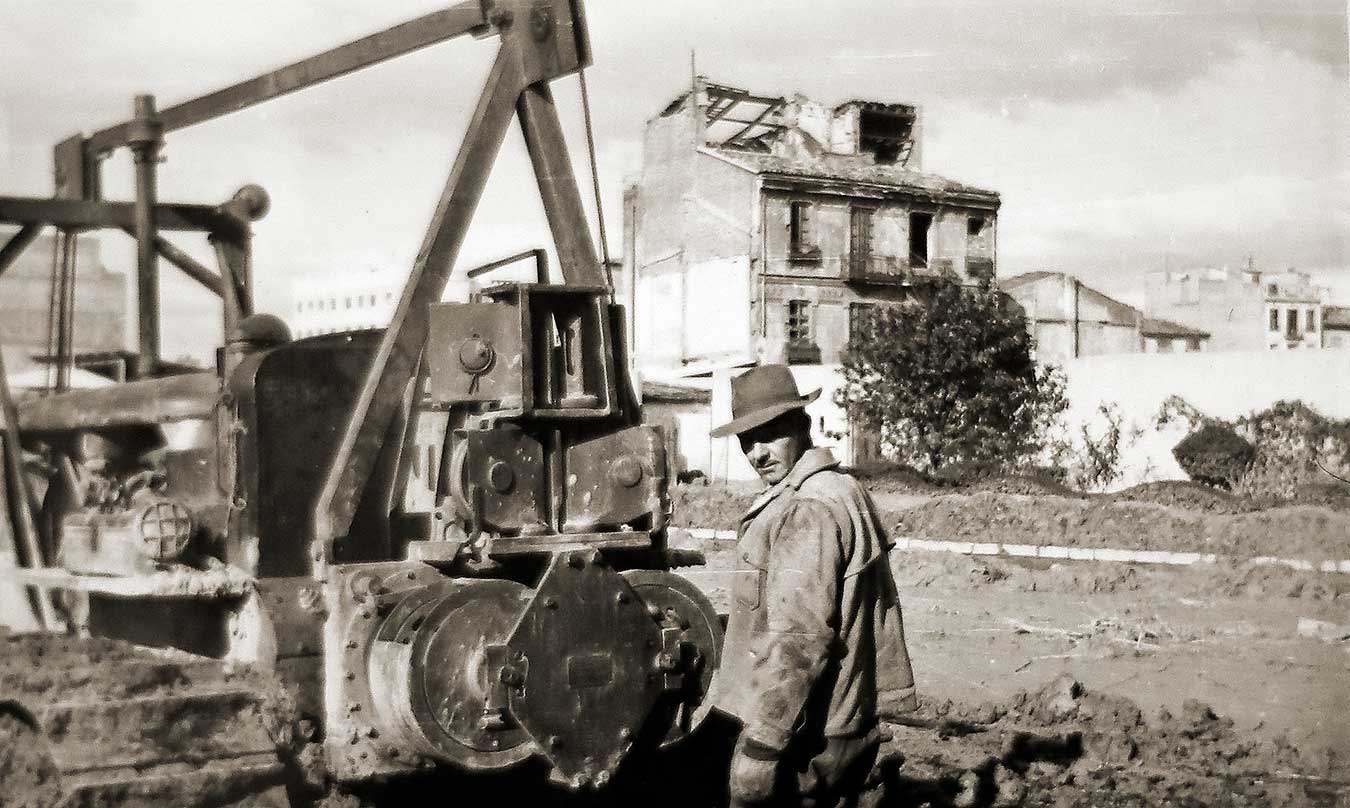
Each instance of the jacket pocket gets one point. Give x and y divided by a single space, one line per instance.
749 588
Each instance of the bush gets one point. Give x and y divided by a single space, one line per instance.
947 377
1214 455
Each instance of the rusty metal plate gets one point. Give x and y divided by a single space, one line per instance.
616 479
475 354
588 649
501 479
689 619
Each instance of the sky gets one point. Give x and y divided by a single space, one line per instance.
1122 137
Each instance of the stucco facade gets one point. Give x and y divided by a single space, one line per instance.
1243 310
1068 320
752 235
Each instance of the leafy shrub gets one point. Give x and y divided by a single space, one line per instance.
1214 455
947 377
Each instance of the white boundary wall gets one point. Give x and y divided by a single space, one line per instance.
1223 385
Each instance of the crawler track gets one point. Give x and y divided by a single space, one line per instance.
87 722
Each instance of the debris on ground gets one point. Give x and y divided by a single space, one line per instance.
1064 745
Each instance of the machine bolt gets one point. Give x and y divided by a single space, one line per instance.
601 778
597 558
351 645
351 676
354 707
621 598
412 575
666 661
625 734
575 561
555 742
654 611
580 781
550 603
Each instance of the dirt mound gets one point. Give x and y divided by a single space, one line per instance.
1186 495
1297 531
718 506
888 478
28 777
921 570
1335 496
1024 485
1064 745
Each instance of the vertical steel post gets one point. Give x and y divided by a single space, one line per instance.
145 137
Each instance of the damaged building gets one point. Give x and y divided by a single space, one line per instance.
760 226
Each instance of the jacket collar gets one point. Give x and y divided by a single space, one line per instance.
814 460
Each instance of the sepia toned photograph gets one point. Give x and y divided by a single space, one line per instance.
863 404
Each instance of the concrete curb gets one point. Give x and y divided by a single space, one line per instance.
1081 553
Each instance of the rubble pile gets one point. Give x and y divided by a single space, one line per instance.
1063 745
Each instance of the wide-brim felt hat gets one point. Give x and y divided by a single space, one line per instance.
760 395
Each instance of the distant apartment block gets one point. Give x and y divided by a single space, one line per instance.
101 300
761 225
1068 320
1243 310
354 302
1335 327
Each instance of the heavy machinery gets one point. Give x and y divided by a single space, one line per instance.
440 545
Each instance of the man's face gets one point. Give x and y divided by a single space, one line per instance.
774 448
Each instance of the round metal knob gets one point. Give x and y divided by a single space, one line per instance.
476 354
626 471
501 477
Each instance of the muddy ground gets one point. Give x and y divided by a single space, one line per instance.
1042 683
1173 516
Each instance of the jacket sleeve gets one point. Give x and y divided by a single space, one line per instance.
801 598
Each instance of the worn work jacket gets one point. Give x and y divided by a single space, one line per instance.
814 644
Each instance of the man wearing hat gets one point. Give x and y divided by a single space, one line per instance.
815 650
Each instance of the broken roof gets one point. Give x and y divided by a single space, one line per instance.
851 168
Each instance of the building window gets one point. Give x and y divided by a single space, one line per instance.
1164 345
1272 289
1275 320
859 241
801 239
919 224
1312 320
799 321
974 226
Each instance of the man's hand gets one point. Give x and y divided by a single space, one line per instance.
752 778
